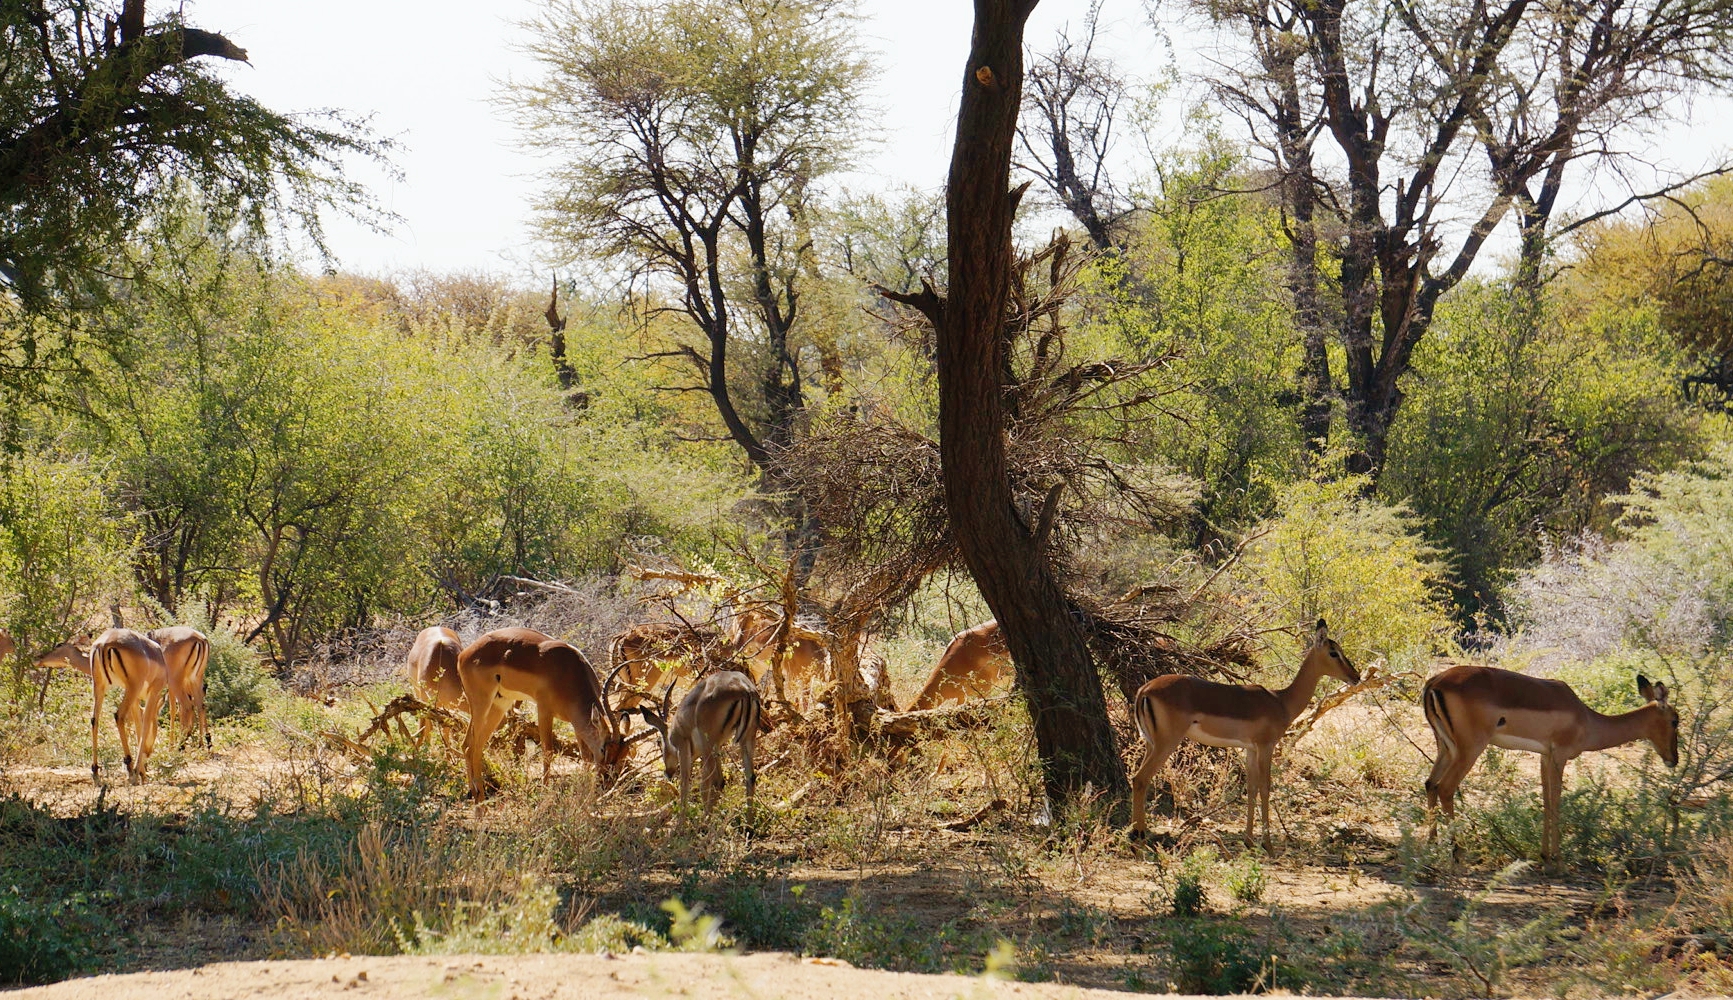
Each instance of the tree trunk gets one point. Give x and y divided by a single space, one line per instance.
1003 552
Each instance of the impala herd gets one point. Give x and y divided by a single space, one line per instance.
1468 707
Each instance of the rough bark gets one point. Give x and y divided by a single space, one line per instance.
1006 554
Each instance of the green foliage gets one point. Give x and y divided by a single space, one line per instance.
1331 552
1218 956
1246 880
1521 426
861 936
99 138
1200 281
46 942
63 548
1189 896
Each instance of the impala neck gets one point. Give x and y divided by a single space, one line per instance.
1296 696
1604 731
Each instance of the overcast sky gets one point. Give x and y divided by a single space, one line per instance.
427 70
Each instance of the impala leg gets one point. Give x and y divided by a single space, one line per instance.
1154 758
98 690
545 735
748 743
1551 790
1266 763
1439 767
1254 785
685 781
1448 782
148 726
711 776
126 712
482 724
204 712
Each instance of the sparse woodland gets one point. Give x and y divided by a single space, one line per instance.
1355 344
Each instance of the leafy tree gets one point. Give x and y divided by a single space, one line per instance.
690 136
1330 552
1520 427
64 551
1437 112
103 120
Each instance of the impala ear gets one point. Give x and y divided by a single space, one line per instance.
1323 630
1646 689
1661 692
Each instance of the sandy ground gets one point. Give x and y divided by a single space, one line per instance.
535 977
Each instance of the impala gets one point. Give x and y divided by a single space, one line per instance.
134 661
1176 707
973 665
804 658
510 665
7 646
723 706
1470 708
646 654
186 652
432 667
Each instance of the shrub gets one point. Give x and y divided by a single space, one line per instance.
44 942
1189 897
1246 880
1214 957
1331 552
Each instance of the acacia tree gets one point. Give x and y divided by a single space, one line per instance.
105 118
1442 116
1004 542
689 136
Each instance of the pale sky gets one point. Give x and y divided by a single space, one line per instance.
427 70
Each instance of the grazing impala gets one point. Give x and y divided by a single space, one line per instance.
724 705
1470 708
510 665
134 661
1176 707
187 652
973 665
649 653
432 667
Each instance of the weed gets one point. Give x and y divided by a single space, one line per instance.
1246 880
1189 897
1480 945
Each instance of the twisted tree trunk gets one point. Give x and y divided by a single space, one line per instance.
1006 554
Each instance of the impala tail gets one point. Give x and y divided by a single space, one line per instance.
1438 717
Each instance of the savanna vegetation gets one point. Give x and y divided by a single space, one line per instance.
1153 414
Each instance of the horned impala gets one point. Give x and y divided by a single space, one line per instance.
722 706
973 665
432 667
1176 707
186 652
510 665
1471 707
134 661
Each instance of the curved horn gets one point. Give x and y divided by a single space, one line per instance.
607 706
668 699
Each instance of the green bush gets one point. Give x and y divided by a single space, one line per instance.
1214 957
45 942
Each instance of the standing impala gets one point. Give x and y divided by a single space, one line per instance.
510 665
723 706
187 652
1176 707
134 661
432 666
1470 708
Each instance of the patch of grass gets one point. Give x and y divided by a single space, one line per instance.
47 941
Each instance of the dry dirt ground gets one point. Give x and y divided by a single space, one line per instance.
768 976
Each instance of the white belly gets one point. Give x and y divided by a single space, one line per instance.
1196 733
1509 742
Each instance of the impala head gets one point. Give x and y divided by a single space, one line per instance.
616 749
74 654
1331 659
1665 736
